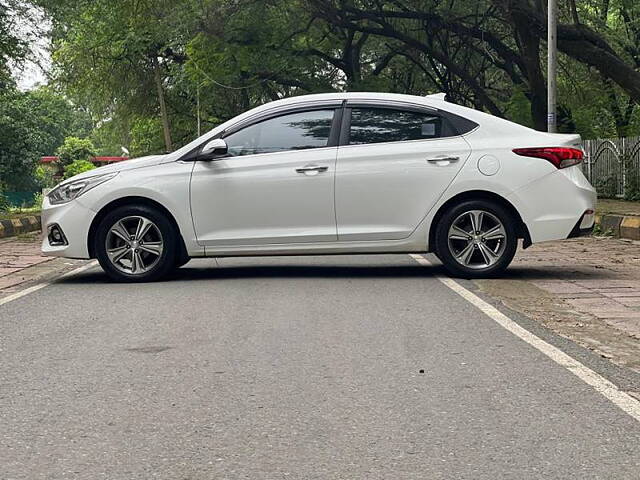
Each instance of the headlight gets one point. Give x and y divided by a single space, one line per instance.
66 192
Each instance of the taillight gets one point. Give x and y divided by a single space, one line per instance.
561 157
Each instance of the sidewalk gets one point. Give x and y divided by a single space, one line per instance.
21 263
587 289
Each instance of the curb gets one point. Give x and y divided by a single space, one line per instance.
17 226
620 226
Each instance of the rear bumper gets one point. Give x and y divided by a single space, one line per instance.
555 206
585 225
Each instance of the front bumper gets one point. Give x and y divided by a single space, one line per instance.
74 220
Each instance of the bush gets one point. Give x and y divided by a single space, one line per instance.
74 149
632 187
44 177
607 187
37 201
77 167
4 203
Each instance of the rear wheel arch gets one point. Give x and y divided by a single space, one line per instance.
521 227
133 201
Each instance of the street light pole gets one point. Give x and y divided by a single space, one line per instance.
552 61
198 110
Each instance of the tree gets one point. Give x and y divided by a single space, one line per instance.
510 33
152 72
116 57
13 48
33 124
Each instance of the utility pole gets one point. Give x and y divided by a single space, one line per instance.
198 110
552 63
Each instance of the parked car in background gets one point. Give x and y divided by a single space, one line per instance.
330 174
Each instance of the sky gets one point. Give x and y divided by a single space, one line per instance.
34 71
33 74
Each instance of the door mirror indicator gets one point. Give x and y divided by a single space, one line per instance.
214 149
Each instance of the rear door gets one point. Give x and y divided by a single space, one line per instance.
393 164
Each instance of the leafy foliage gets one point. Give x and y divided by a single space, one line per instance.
33 124
151 70
76 167
632 184
75 149
607 186
38 198
44 177
4 203
13 47
145 137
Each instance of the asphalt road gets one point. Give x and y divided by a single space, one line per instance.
301 368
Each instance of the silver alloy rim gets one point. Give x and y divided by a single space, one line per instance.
477 239
134 245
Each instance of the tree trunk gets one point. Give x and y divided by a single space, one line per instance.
529 46
157 75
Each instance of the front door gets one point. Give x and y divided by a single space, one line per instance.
276 185
395 166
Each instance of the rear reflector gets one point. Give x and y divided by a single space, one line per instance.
561 157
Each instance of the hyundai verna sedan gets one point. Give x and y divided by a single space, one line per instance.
330 174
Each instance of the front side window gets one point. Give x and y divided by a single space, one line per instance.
377 125
295 131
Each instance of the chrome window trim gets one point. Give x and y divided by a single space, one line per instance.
336 104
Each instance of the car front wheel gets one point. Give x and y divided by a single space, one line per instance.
136 244
476 238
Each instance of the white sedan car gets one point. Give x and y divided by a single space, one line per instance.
330 174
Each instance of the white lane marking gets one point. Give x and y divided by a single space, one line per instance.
40 286
603 386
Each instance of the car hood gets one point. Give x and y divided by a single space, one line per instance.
120 166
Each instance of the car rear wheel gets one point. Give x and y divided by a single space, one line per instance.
136 244
476 238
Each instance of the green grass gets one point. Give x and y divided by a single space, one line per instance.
19 213
620 207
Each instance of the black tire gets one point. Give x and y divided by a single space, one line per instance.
181 261
160 265
445 249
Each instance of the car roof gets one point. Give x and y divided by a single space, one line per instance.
339 96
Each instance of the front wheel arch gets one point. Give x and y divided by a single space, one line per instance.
130 201
521 229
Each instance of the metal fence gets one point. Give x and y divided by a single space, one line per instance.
613 166
20 199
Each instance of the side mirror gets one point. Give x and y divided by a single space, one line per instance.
214 149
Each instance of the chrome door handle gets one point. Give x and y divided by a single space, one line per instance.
311 169
443 158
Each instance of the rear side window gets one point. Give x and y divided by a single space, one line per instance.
295 131
377 125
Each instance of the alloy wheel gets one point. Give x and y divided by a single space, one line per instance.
477 239
134 245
